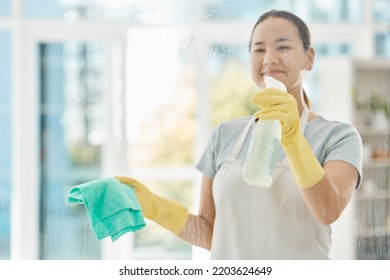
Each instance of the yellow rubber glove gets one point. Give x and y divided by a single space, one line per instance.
165 212
279 105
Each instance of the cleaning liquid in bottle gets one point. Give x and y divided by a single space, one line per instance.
263 147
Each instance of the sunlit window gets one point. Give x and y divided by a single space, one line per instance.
332 10
381 10
230 84
382 44
161 128
177 80
5 8
70 123
5 143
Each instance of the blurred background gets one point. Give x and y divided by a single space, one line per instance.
96 88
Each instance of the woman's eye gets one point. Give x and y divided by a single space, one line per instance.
283 48
259 50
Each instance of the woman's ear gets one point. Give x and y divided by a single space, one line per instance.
310 59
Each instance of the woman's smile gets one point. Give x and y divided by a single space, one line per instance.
273 73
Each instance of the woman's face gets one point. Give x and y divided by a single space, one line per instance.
277 51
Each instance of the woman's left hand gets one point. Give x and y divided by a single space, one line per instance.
280 105
276 104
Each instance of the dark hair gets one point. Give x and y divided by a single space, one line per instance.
303 30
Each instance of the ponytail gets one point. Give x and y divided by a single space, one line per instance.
306 99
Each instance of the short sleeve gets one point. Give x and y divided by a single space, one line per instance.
207 163
346 146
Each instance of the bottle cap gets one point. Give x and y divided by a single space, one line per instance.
272 82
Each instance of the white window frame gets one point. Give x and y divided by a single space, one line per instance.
25 195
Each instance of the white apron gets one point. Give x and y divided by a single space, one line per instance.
253 222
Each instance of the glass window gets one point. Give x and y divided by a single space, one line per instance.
330 10
159 12
312 78
135 11
230 79
382 44
5 8
162 89
178 11
381 10
44 8
161 102
5 142
71 127
155 12
230 10
155 242
161 95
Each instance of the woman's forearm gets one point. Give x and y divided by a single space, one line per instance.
329 197
197 231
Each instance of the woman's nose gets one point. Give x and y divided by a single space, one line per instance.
269 58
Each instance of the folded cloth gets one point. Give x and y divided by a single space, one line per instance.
112 207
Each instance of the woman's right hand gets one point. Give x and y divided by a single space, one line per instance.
165 212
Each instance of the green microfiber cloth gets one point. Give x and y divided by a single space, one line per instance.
112 207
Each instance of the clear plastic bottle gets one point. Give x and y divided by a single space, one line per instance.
264 146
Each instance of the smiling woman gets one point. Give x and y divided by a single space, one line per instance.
134 88
315 177
306 180
290 44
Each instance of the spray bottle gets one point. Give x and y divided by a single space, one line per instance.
264 146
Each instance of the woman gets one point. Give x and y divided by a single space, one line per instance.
318 170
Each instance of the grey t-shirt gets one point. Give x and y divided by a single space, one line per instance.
329 140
